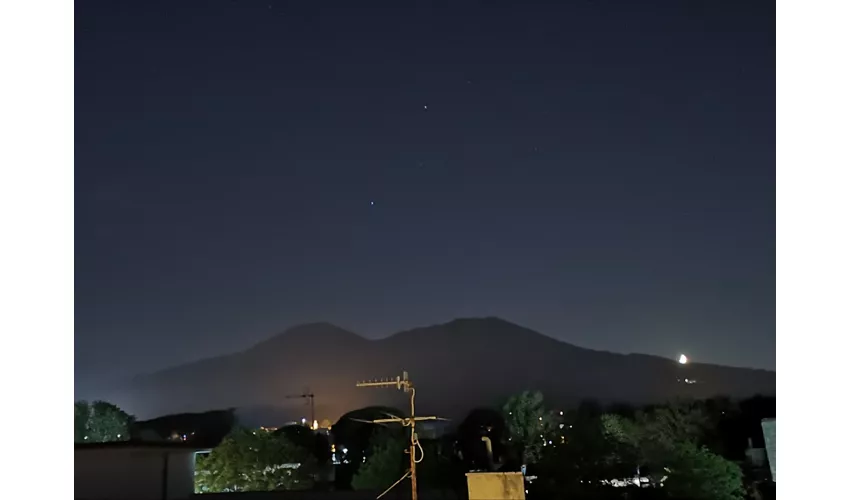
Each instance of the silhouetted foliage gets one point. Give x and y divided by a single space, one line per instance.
314 442
204 429
667 439
351 433
384 465
481 422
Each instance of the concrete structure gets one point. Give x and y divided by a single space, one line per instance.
495 485
768 427
134 471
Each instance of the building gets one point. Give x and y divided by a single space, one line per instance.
768 426
129 470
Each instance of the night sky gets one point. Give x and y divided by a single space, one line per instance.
599 171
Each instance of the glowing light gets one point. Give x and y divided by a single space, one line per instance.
683 360
315 425
303 421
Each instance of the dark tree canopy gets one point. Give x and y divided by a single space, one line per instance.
204 429
480 423
315 442
100 422
385 463
668 441
353 435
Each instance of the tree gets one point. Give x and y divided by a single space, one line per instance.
255 461
530 426
81 416
385 464
353 434
314 442
100 422
698 474
480 423
667 440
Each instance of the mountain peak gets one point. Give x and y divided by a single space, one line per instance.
316 333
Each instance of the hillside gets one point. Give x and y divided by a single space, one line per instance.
456 366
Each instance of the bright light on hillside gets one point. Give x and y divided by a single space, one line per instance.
683 360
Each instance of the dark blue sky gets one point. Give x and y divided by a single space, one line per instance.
600 171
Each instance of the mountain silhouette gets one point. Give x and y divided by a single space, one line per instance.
456 366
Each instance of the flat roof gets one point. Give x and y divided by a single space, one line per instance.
140 445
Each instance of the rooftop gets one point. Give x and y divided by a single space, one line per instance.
150 445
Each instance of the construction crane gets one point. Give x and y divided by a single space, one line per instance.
311 396
403 383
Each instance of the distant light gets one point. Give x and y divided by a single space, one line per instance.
426 106
345 450
562 413
315 425
119 435
304 421
541 419
683 360
372 203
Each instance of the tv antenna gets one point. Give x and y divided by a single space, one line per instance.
305 395
403 383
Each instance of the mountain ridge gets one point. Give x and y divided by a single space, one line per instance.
456 365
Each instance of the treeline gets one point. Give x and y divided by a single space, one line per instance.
684 449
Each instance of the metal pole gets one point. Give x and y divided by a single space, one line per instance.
412 445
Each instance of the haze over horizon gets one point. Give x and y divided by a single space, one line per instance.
600 172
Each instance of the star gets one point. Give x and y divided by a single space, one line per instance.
426 107
372 203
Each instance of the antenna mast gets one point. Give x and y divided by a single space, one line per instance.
403 383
